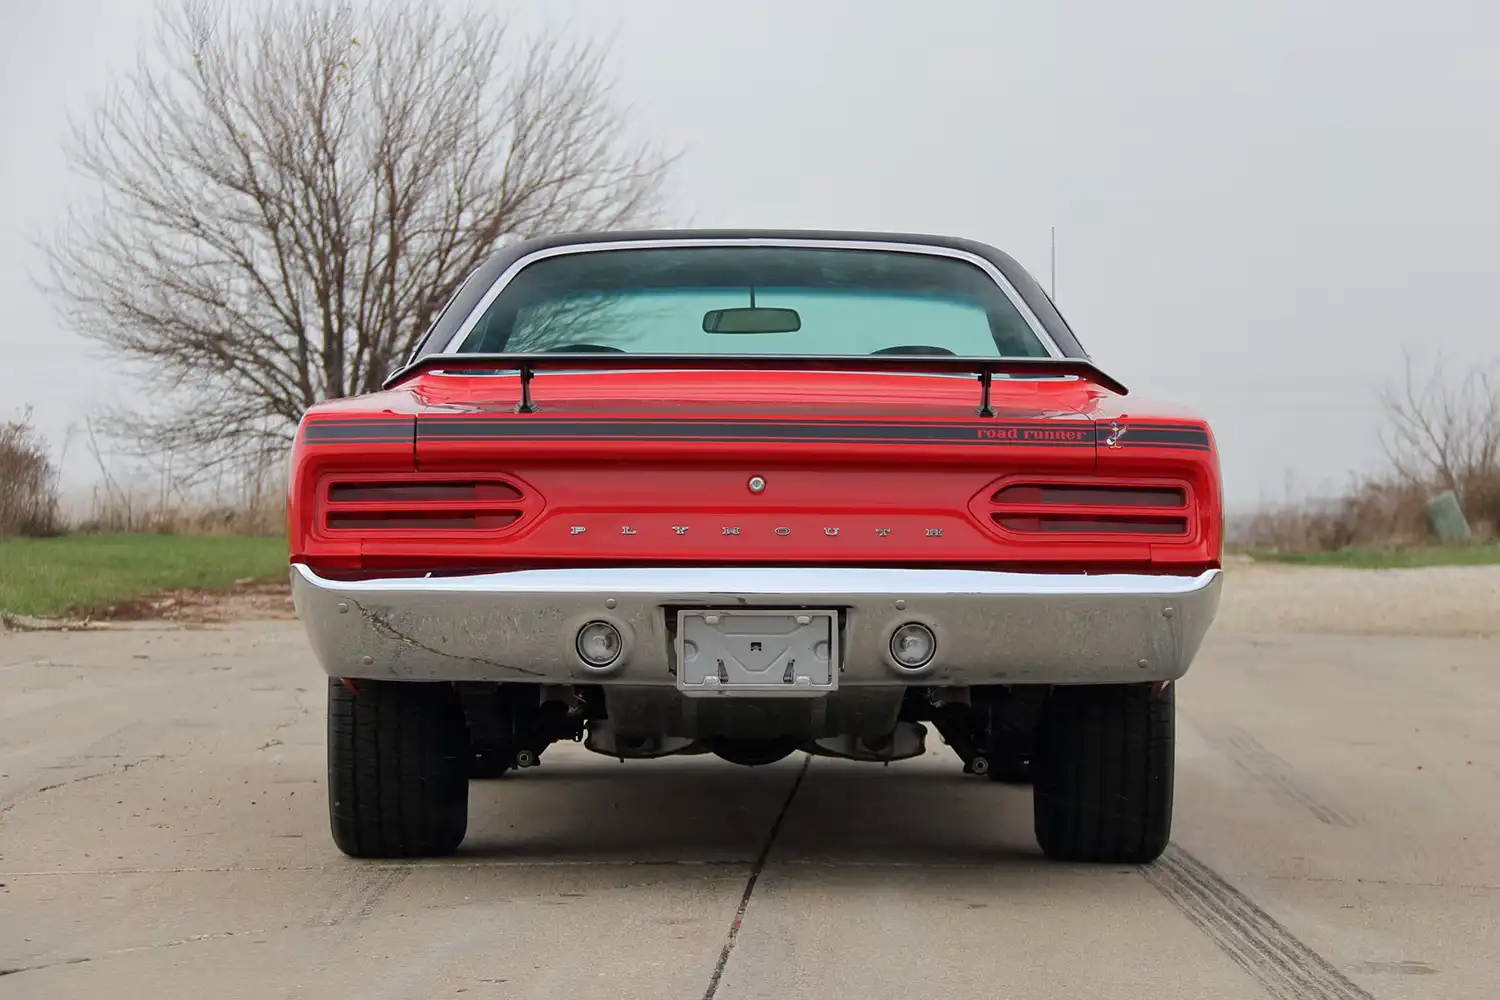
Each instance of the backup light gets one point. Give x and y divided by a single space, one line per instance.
913 645
599 644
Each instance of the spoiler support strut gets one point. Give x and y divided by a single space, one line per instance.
527 374
985 378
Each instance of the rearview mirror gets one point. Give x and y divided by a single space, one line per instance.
753 319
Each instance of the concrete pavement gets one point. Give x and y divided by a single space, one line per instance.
163 833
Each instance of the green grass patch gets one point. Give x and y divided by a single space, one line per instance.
1436 555
49 576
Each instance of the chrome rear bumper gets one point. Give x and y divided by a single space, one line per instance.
991 627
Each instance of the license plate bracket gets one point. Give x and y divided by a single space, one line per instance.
757 652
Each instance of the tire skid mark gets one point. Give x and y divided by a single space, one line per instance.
357 899
1254 940
1278 775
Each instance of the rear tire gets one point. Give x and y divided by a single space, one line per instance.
398 760
1104 773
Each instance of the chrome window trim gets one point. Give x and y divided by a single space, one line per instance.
994 273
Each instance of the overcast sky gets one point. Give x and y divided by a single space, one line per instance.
1258 204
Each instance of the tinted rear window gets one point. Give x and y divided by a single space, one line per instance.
780 300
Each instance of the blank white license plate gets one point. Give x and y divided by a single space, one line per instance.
760 653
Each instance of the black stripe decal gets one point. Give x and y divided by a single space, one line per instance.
1155 436
335 435
365 430
1162 437
1045 435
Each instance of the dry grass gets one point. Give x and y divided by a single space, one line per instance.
116 512
1377 514
245 498
1374 514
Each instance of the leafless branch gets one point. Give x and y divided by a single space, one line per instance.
1443 429
287 197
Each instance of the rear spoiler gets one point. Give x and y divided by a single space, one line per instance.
985 368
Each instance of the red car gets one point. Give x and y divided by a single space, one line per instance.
749 494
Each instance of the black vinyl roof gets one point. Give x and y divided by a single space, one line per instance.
484 275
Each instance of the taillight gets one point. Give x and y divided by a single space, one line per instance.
1092 496
420 492
1083 508
463 505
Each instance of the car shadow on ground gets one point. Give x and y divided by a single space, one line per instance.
709 812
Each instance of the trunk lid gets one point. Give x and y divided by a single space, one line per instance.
740 467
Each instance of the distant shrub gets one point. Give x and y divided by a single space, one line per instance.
29 496
1375 513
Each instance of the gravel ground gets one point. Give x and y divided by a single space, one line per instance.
1432 601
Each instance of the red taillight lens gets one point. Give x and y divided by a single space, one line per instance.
1092 496
1091 509
463 505
421 520
420 492
1103 524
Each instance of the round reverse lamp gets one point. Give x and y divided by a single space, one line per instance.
912 646
599 644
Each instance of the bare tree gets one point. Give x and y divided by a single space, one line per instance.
289 197
1444 431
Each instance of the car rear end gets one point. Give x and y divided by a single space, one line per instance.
545 533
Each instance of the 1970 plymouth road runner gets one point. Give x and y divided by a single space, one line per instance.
752 494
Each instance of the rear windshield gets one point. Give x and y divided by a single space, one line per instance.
754 300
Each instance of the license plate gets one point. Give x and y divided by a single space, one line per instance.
754 652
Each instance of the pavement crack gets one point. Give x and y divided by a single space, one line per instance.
382 625
177 943
760 864
444 864
17 970
1254 940
42 790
